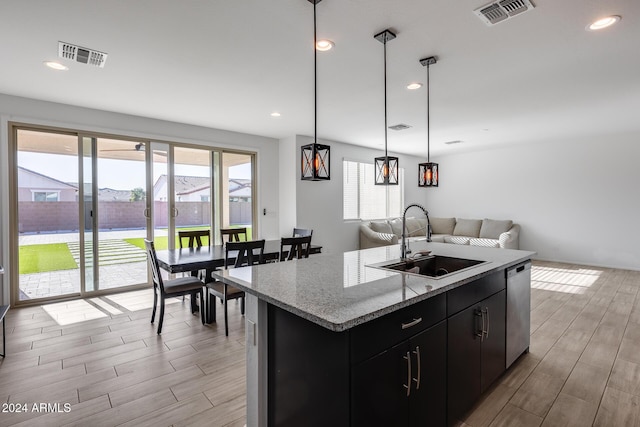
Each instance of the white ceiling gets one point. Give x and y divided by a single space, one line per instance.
228 64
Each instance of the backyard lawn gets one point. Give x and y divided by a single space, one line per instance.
46 257
56 256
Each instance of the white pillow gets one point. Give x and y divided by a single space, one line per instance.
467 227
442 225
396 226
381 227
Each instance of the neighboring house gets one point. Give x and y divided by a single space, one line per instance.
196 189
239 190
36 187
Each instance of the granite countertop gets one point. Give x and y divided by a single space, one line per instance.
341 291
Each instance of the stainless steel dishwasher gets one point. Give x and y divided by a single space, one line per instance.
518 311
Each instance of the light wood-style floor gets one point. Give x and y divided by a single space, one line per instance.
104 358
115 370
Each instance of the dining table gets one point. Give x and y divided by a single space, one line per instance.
210 257
192 260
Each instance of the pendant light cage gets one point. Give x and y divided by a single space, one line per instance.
386 167
315 162
428 173
315 157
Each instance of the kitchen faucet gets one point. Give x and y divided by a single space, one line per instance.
404 230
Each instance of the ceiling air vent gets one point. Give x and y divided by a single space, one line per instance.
81 54
400 126
496 12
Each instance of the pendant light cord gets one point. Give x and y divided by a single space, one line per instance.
428 117
386 160
315 78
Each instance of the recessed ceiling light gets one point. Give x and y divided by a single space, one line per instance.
414 86
56 65
324 45
275 114
604 22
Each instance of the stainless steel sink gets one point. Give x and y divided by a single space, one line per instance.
435 266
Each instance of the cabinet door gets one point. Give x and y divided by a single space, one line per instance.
494 341
378 392
428 400
463 361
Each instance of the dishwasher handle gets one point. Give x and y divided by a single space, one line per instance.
518 269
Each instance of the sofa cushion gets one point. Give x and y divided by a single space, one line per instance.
396 226
467 227
381 227
488 243
458 240
492 229
417 227
442 225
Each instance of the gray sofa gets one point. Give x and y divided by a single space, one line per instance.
476 232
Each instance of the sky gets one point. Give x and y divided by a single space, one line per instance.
114 174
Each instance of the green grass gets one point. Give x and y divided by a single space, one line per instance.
47 257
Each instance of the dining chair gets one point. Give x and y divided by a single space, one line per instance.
294 247
193 237
194 240
244 254
302 232
171 288
233 234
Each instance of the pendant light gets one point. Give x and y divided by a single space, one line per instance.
315 157
386 168
428 172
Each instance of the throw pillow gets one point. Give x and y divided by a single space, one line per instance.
467 227
442 225
492 229
381 227
416 227
396 226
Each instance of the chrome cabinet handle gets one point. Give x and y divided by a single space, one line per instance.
408 384
487 331
481 333
417 380
414 322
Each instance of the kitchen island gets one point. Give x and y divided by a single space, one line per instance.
335 340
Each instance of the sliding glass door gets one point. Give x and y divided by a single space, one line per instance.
84 204
236 194
192 187
47 207
120 202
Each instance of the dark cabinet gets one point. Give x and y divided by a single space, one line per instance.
404 385
476 352
422 365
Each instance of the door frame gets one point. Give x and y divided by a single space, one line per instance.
215 197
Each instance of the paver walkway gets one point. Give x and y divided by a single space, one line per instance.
110 252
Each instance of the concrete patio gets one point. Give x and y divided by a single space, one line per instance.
113 272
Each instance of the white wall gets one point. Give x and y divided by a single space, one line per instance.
319 203
23 110
576 200
289 175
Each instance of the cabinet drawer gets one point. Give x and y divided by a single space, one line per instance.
380 334
463 296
